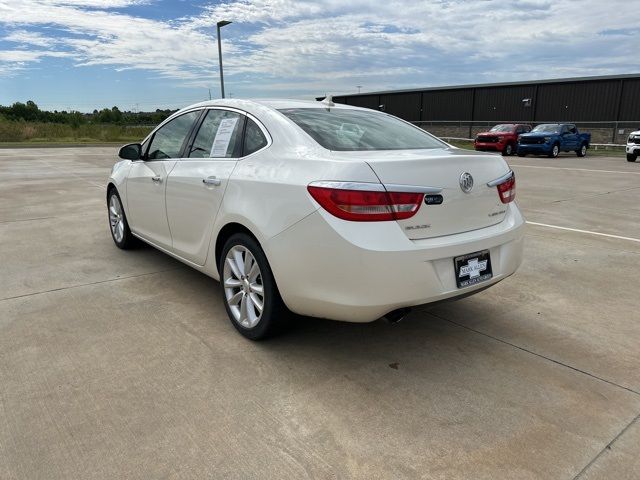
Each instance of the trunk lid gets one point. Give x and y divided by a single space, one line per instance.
442 168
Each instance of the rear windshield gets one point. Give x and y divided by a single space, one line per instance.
344 130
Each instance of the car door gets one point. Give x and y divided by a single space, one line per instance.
197 183
567 139
572 137
146 182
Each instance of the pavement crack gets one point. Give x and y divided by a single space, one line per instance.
607 447
582 244
593 195
531 352
26 220
90 283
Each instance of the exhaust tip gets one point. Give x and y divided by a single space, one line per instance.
396 315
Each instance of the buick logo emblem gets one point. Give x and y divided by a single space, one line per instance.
466 182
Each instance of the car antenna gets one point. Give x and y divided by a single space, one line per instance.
328 101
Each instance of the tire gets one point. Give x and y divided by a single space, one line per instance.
582 151
118 225
508 150
555 151
631 157
241 286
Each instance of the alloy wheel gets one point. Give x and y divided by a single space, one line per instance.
116 218
243 287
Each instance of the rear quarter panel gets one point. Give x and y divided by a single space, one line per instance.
267 193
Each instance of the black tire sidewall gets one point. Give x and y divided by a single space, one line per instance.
631 157
579 151
553 153
274 312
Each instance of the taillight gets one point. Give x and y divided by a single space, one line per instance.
350 201
507 189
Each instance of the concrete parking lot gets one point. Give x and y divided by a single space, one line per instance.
119 364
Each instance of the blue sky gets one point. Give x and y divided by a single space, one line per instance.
147 54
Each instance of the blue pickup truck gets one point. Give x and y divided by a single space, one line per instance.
552 138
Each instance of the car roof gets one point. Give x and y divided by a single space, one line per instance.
271 103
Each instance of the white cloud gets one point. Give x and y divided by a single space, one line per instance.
332 45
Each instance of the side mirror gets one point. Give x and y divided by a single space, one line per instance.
132 151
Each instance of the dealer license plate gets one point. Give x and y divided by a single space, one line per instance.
472 268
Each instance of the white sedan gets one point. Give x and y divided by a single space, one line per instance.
318 209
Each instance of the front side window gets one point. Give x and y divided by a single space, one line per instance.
219 135
254 139
168 139
346 129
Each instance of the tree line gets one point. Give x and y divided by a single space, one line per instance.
30 112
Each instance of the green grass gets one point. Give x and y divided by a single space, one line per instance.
593 152
36 133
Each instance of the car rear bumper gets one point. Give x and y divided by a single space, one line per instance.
359 271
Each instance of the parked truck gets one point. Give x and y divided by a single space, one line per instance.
633 146
552 138
501 138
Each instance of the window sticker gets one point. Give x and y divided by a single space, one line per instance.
223 137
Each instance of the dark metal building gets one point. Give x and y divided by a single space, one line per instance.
607 99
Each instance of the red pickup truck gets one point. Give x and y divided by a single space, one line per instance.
501 138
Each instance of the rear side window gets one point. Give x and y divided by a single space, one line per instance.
346 129
218 136
168 139
254 139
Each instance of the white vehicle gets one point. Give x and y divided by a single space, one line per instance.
633 146
324 210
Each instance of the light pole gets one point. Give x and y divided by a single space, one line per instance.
219 25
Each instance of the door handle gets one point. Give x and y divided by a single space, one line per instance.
157 179
212 181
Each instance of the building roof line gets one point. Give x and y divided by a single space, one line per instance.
501 84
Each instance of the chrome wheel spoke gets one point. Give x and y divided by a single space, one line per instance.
234 268
243 309
257 301
252 316
233 283
237 257
254 272
236 298
257 288
249 262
